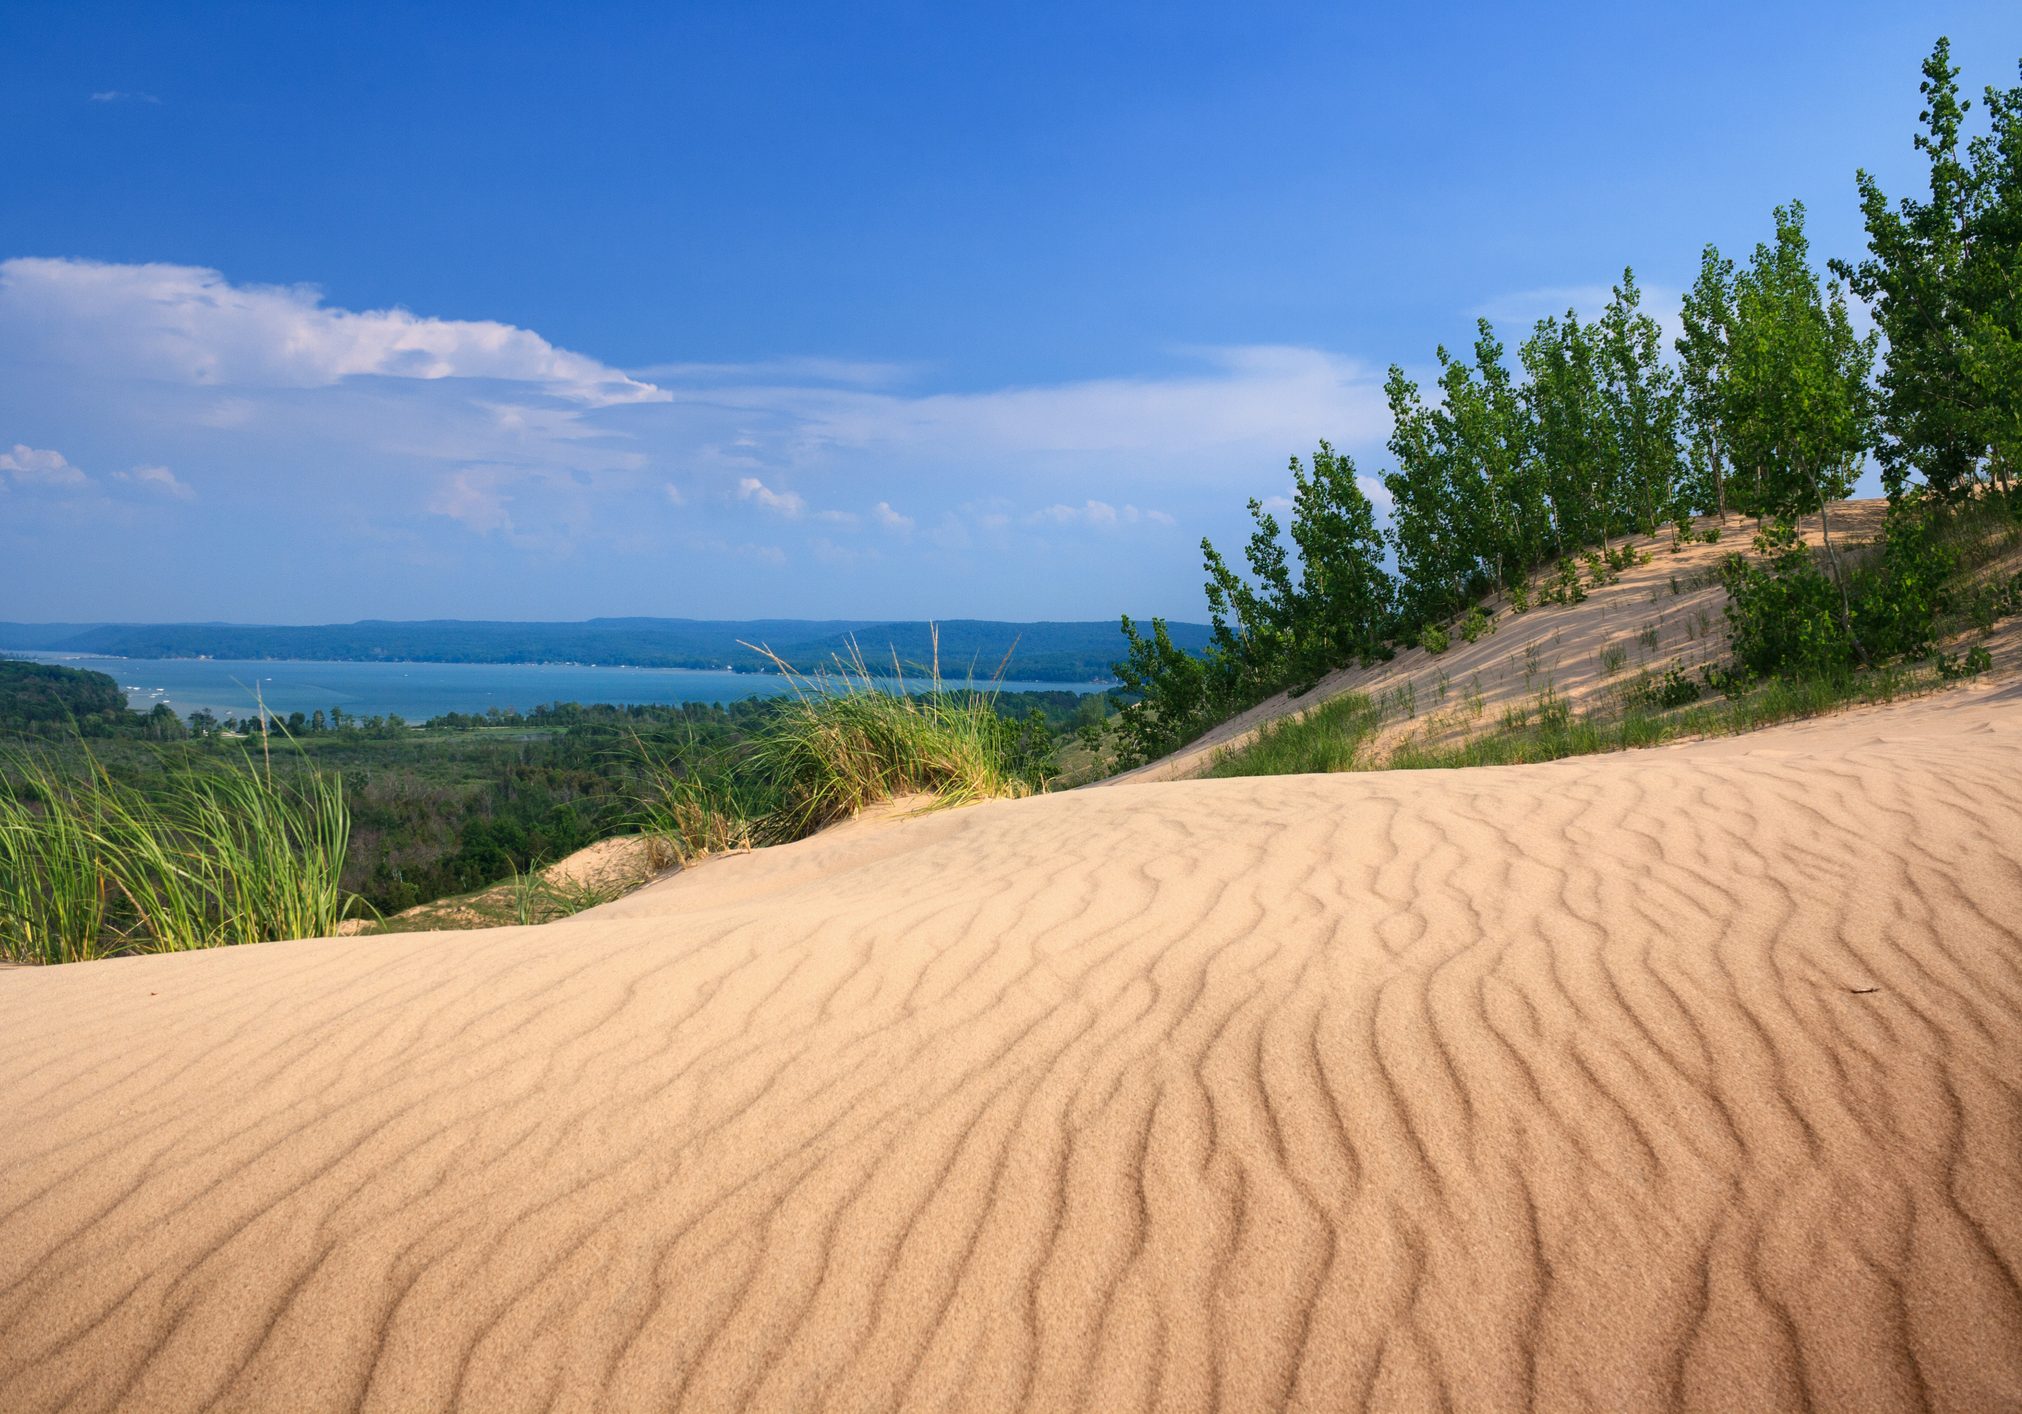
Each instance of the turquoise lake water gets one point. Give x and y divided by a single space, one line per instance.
418 691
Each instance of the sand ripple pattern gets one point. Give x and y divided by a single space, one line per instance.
1683 1079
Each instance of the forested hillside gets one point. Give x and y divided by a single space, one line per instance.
1519 481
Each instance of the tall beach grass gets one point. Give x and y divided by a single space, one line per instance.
845 741
202 854
841 741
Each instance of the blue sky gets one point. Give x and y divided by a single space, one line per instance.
316 312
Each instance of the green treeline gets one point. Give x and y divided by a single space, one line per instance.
1511 472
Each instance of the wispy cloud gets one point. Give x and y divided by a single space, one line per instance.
846 372
1100 513
475 498
890 519
191 325
158 479
786 503
1268 396
117 95
33 466
1519 310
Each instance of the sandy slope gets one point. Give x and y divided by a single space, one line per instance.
1688 1077
1669 612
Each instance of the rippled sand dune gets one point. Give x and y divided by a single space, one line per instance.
1686 1078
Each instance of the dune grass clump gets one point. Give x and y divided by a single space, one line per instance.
845 741
230 856
53 884
689 807
205 855
839 742
1328 738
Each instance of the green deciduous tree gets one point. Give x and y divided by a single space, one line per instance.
1705 316
1644 410
1943 275
1796 405
1571 436
1343 606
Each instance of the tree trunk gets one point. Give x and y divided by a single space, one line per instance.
1839 579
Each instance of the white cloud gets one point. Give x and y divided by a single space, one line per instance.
1100 513
1253 397
190 325
1515 313
159 479
390 418
786 503
30 466
114 95
474 497
854 373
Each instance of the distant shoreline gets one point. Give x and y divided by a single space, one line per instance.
45 654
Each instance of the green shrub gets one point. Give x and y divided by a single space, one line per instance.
1896 601
1432 638
1476 624
1673 689
1971 663
1785 614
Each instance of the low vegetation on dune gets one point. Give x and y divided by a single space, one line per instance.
444 816
1535 694
843 741
92 866
203 843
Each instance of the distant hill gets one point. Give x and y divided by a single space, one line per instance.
1064 652
36 696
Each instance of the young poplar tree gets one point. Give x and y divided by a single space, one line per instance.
1993 354
1570 434
1344 598
1489 426
1944 279
1176 699
1702 369
1796 401
1642 400
1425 520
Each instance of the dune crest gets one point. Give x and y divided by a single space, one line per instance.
1691 1077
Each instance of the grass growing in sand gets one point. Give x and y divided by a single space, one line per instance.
1328 738
1334 737
846 742
91 866
843 741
